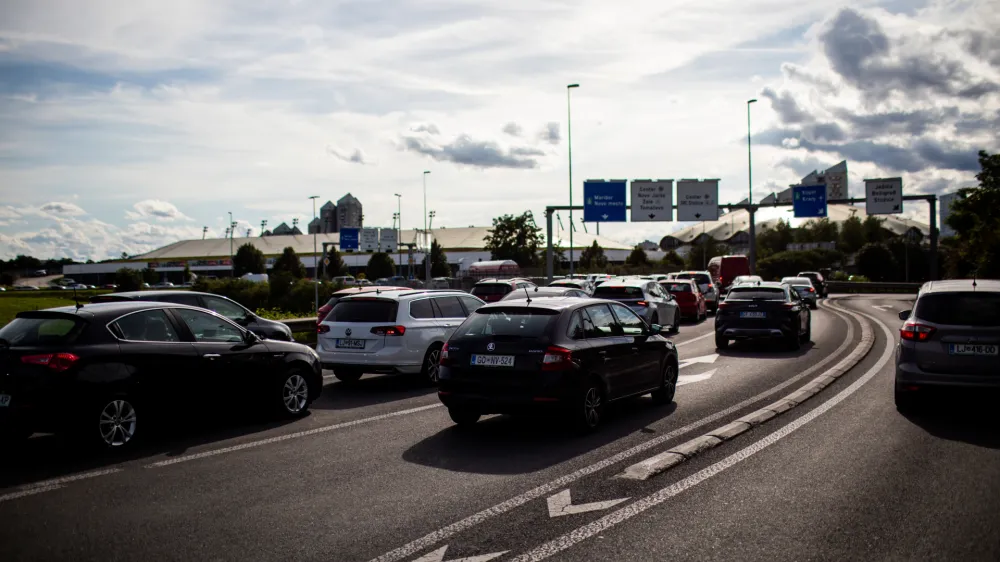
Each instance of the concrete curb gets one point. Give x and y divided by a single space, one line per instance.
662 462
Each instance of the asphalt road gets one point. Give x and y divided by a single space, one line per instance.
379 472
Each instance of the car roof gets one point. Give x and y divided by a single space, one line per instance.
795 278
692 272
137 295
398 295
764 284
551 303
626 283
961 285
110 309
361 289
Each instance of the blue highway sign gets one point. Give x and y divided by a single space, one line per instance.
604 201
349 239
809 201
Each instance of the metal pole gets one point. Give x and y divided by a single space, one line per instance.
427 243
753 224
548 244
232 266
315 257
932 201
569 143
399 234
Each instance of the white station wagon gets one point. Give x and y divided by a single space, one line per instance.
391 332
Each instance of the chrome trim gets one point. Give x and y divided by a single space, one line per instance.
175 306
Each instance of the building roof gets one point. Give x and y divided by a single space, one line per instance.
328 206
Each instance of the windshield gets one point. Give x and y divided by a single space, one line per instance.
678 287
519 322
363 310
41 331
700 278
756 293
618 292
491 289
962 309
797 281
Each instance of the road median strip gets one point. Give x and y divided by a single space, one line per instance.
658 464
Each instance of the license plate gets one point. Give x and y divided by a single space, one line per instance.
493 360
753 315
4 400
972 349
350 344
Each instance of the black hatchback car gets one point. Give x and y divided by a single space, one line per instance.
232 310
104 370
772 311
570 354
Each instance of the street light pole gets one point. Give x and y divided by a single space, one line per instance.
316 263
427 248
399 233
569 145
753 222
232 266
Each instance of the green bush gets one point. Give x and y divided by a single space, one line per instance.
790 263
249 294
129 279
288 296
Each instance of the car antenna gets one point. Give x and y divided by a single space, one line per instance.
974 275
528 295
77 299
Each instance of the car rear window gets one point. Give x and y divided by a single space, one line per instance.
756 293
700 278
518 322
491 289
41 331
797 281
960 309
677 287
363 310
606 292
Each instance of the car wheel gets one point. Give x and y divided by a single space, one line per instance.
668 385
116 422
906 402
463 417
293 394
431 366
588 411
676 326
794 341
807 337
813 306
721 342
656 319
347 375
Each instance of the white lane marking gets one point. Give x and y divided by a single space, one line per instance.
546 489
28 492
703 359
688 379
280 438
685 342
882 307
67 479
438 556
573 537
562 504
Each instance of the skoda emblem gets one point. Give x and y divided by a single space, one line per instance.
491 346
348 331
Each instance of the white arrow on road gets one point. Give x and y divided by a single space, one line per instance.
703 359
562 504
688 379
438 556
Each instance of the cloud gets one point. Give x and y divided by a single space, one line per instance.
156 209
62 209
475 153
429 128
550 133
785 106
513 129
355 157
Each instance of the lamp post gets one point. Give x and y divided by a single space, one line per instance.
427 248
750 208
569 144
316 263
232 266
399 232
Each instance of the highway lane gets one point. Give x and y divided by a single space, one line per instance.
354 492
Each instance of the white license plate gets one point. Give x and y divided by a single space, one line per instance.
972 349
493 360
350 344
753 315
4 400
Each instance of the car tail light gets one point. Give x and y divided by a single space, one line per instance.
389 330
322 328
55 361
723 305
557 359
642 303
913 331
811 290
443 357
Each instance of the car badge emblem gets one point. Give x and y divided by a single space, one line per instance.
491 346
348 331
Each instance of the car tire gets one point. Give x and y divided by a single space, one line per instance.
813 306
115 421
292 394
794 341
587 409
807 337
463 417
675 328
656 319
721 342
430 368
906 402
347 375
668 384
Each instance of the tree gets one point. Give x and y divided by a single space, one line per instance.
129 279
874 234
248 259
337 266
672 261
876 262
703 249
774 240
515 238
975 218
439 261
187 272
592 257
7 278
852 235
637 258
289 262
819 230
380 265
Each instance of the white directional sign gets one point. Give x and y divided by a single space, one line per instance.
387 239
836 185
369 239
652 201
562 504
438 556
697 200
884 196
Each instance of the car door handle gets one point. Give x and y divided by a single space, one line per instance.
604 355
211 356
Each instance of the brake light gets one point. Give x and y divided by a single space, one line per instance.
642 303
322 328
443 357
55 361
389 330
913 331
811 290
723 305
557 359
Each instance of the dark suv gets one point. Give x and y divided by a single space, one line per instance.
493 290
817 281
763 311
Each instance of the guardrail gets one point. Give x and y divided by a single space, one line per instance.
872 287
301 325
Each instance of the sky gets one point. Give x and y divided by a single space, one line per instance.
125 126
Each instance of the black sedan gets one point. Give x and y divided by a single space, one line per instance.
232 310
570 354
763 311
104 370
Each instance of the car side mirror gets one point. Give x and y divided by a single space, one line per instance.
656 329
251 338
904 314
